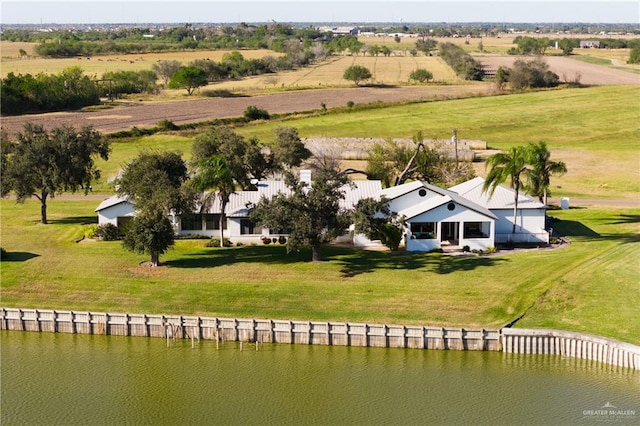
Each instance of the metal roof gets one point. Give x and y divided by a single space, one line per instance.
240 201
112 201
400 190
502 197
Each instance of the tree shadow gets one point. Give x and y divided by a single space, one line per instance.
75 220
379 86
625 219
214 257
368 262
19 256
573 228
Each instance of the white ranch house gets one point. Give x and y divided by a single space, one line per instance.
435 217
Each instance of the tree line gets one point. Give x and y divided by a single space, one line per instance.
70 89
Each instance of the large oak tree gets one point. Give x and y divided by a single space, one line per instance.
44 163
153 182
310 213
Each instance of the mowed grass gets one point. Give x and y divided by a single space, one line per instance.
588 286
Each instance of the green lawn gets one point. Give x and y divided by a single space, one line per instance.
590 285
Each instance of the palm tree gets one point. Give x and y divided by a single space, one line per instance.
542 169
212 174
510 165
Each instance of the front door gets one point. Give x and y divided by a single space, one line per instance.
450 232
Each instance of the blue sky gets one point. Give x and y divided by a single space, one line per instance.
360 11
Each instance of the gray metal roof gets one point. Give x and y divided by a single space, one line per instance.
112 201
502 197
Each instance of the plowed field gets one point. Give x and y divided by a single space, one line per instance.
145 115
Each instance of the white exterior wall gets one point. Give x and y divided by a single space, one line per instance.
442 214
409 200
530 226
420 245
111 214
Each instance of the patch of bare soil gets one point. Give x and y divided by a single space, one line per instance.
569 69
146 115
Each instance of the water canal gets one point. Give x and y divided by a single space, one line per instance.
79 379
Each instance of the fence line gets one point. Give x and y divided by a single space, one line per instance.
508 340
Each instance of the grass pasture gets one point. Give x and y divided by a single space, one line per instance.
48 269
98 65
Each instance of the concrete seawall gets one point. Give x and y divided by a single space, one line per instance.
509 340
570 344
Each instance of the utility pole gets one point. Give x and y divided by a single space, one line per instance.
454 139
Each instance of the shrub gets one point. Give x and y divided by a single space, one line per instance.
254 113
192 237
531 74
215 242
490 250
356 73
350 104
266 240
90 232
106 232
282 239
466 249
166 125
634 55
421 75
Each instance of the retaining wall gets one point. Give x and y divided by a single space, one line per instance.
571 344
250 330
509 340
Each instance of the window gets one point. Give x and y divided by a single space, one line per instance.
212 222
248 228
191 222
476 229
423 230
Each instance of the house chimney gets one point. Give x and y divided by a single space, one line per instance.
305 176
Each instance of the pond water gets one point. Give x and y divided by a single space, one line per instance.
78 379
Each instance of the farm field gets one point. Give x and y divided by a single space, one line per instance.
98 65
390 70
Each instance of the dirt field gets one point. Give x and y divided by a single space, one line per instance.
567 69
144 115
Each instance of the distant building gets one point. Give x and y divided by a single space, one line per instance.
589 44
354 31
